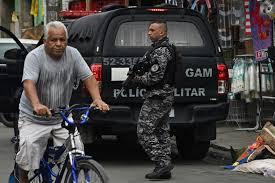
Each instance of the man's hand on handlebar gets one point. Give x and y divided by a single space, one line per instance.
41 110
98 103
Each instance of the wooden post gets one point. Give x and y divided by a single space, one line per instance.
126 2
88 5
45 2
19 24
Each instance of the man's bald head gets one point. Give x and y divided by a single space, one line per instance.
161 23
157 30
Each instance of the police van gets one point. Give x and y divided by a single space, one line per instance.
112 41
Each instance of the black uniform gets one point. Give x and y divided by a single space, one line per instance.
153 127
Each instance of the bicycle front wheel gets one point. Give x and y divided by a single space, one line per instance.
88 171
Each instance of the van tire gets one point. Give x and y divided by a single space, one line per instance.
191 149
8 119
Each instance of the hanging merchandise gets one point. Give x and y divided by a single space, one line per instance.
261 28
242 86
16 7
250 80
37 10
268 8
245 78
172 2
237 84
202 6
248 85
224 32
236 12
247 18
267 81
231 23
65 5
238 20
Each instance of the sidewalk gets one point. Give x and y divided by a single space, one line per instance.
227 136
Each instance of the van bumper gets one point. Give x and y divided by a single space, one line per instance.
200 113
122 119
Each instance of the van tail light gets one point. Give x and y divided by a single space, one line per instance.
223 78
97 73
157 9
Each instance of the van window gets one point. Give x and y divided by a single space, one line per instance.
180 33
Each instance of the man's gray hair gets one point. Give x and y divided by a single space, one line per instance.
54 24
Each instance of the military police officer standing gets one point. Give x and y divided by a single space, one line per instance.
153 127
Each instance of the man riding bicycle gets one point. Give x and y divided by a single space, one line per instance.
50 72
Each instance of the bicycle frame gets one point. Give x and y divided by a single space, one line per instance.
73 154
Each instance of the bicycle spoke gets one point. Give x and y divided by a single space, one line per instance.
88 176
35 177
88 171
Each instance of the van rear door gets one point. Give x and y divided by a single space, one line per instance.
126 42
11 68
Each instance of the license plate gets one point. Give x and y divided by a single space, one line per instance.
172 113
119 74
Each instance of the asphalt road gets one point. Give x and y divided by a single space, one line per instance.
127 164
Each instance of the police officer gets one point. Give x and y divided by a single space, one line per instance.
153 128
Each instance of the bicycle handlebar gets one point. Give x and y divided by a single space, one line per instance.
65 112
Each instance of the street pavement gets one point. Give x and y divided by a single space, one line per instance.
6 153
227 135
230 135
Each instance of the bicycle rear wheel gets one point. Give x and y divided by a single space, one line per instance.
14 175
88 171
33 177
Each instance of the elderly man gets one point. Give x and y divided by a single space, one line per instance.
49 74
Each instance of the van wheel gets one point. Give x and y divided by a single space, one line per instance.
8 119
191 149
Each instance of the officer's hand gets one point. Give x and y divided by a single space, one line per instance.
131 70
136 68
41 110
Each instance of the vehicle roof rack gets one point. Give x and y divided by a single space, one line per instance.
164 5
112 6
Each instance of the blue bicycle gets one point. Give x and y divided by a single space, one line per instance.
67 163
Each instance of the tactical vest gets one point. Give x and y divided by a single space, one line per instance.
169 75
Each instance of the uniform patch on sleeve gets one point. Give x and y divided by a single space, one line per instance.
155 68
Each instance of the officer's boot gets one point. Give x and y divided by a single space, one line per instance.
160 172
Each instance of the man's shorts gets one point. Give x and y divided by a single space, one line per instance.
34 138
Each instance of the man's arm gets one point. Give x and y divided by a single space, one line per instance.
92 87
29 79
84 73
31 94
